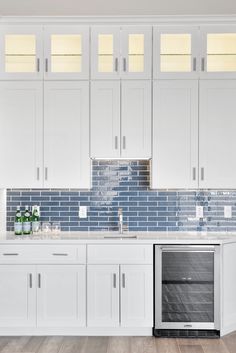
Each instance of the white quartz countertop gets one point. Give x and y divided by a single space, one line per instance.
128 237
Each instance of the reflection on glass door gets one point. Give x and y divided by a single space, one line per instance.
66 53
175 52
221 52
20 53
188 286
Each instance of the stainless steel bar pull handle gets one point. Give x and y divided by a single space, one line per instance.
194 64
38 174
46 173
46 64
60 254
203 64
124 142
30 280
116 64
124 64
114 280
202 173
11 254
116 142
123 280
39 280
194 173
38 64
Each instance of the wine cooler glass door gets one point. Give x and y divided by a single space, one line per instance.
187 287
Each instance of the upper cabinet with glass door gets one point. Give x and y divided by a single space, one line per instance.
175 52
121 52
21 52
66 52
218 52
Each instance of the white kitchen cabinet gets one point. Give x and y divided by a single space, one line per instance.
136 119
217 126
66 135
218 52
66 52
136 295
21 52
61 296
21 145
121 123
121 52
175 134
136 52
17 296
105 119
176 52
103 295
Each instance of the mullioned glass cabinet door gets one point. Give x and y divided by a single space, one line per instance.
136 52
105 52
21 52
218 52
175 52
66 52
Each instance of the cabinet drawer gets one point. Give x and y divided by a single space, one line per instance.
43 254
120 254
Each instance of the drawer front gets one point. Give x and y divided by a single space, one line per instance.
120 254
43 254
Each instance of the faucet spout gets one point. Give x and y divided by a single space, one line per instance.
120 221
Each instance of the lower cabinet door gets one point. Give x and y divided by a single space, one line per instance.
136 295
17 296
61 295
103 295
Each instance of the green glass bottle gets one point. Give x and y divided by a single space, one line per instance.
26 221
18 222
35 220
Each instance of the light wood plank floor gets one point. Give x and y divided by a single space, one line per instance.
59 344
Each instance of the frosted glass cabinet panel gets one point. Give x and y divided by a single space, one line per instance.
21 52
175 52
66 52
218 56
121 52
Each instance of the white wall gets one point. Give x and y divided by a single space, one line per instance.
2 210
115 7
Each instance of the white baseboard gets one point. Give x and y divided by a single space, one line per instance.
83 331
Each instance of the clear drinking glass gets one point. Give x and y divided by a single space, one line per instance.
56 227
46 227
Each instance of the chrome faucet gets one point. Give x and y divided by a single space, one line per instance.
120 221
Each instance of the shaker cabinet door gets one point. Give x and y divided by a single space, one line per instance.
17 296
21 52
217 126
21 125
66 52
136 295
136 119
105 119
103 295
175 134
66 135
61 291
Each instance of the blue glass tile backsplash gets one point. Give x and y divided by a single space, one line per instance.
126 184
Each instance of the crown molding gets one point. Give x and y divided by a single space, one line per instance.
114 20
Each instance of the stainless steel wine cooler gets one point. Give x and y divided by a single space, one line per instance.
187 280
